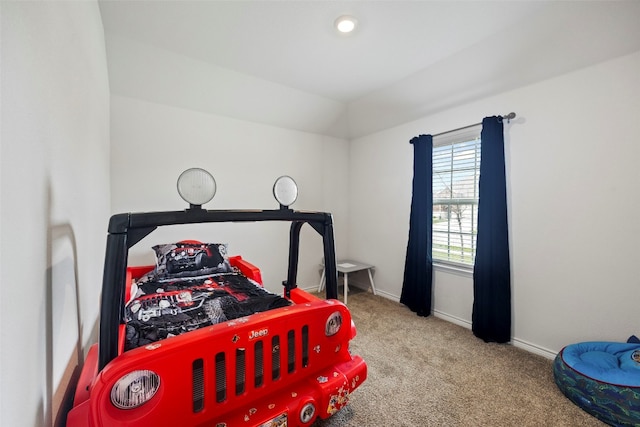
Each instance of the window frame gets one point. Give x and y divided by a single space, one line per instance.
465 135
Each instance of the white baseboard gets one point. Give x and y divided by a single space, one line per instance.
532 348
453 319
527 346
388 295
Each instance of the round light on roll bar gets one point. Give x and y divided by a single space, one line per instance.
285 190
196 186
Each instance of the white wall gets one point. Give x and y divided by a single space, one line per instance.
55 199
521 54
574 191
142 71
153 143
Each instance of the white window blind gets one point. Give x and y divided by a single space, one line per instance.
456 170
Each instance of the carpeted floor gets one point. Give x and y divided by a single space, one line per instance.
429 372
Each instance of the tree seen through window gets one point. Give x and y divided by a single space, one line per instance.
456 168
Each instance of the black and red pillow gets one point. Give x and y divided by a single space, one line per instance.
189 258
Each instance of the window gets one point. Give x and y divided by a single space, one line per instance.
456 170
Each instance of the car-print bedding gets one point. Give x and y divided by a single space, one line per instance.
167 308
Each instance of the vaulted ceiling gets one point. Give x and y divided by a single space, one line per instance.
283 63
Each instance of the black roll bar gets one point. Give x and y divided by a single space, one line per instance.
125 230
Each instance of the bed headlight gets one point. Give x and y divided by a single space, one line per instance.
134 389
196 186
307 413
285 190
334 322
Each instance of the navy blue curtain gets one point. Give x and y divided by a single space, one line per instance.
491 318
418 267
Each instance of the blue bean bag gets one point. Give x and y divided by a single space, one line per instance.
603 378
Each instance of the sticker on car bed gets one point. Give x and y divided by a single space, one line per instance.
279 421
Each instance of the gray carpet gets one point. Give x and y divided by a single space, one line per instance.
429 372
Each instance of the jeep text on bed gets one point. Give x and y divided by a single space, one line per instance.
198 342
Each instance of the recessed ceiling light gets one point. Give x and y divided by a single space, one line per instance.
346 23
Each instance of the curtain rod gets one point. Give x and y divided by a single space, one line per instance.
509 116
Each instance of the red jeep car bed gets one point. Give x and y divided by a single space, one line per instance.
195 340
